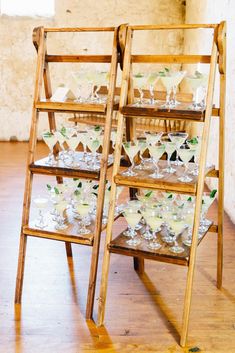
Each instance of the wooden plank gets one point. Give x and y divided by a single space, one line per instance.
180 26
169 182
182 112
78 58
82 171
120 246
69 105
79 29
171 59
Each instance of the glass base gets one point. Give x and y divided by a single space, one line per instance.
187 242
129 172
40 225
185 179
169 170
167 239
84 231
194 172
176 249
147 235
129 233
157 175
133 242
61 226
138 226
154 245
177 162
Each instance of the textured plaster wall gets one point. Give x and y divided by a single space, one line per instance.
17 65
213 11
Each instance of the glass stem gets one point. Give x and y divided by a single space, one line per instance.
169 160
156 166
186 169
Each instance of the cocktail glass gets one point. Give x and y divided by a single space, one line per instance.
170 148
62 138
186 154
195 82
178 138
152 79
156 152
139 81
41 204
189 218
50 139
73 142
60 220
101 79
178 77
177 226
84 136
79 77
83 208
207 200
195 144
131 148
153 137
94 144
132 216
142 144
154 221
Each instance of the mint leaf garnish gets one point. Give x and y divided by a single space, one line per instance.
95 186
56 190
170 196
148 194
77 192
79 185
212 194
47 134
49 187
97 128
190 199
109 188
193 141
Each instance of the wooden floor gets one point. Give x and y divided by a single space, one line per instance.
142 314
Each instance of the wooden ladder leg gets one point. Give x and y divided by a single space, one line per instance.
222 70
20 270
139 265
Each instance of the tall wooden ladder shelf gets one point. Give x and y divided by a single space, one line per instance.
128 112
70 235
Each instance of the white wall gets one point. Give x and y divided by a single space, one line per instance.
17 64
213 11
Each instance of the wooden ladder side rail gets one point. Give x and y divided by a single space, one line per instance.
222 71
31 153
102 180
117 157
200 188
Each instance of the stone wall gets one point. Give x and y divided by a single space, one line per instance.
17 65
213 11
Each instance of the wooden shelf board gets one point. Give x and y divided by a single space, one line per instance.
169 182
181 112
70 105
70 234
60 169
119 246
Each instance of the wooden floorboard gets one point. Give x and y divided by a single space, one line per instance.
143 314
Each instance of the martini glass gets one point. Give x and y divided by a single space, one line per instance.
133 217
133 204
84 137
60 220
50 139
152 79
189 218
170 148
73 142
168 83
186 154
41 204
113 138
139 81
101 79
178 138
131 148
153 137
93 145
177 226
207 200
83 208
61 138
178 77
155 222
142 144
79 78
156 153
195 82
195 144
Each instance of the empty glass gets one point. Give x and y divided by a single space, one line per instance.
41 204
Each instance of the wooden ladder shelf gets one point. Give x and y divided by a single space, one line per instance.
128 112
71 234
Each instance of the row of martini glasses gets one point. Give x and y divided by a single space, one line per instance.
68 139
185 149
171 80
159 218
76 197
88 84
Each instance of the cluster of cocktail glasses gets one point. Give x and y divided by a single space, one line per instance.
159 218
68 138
171 80
186 150
75 197
88 83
